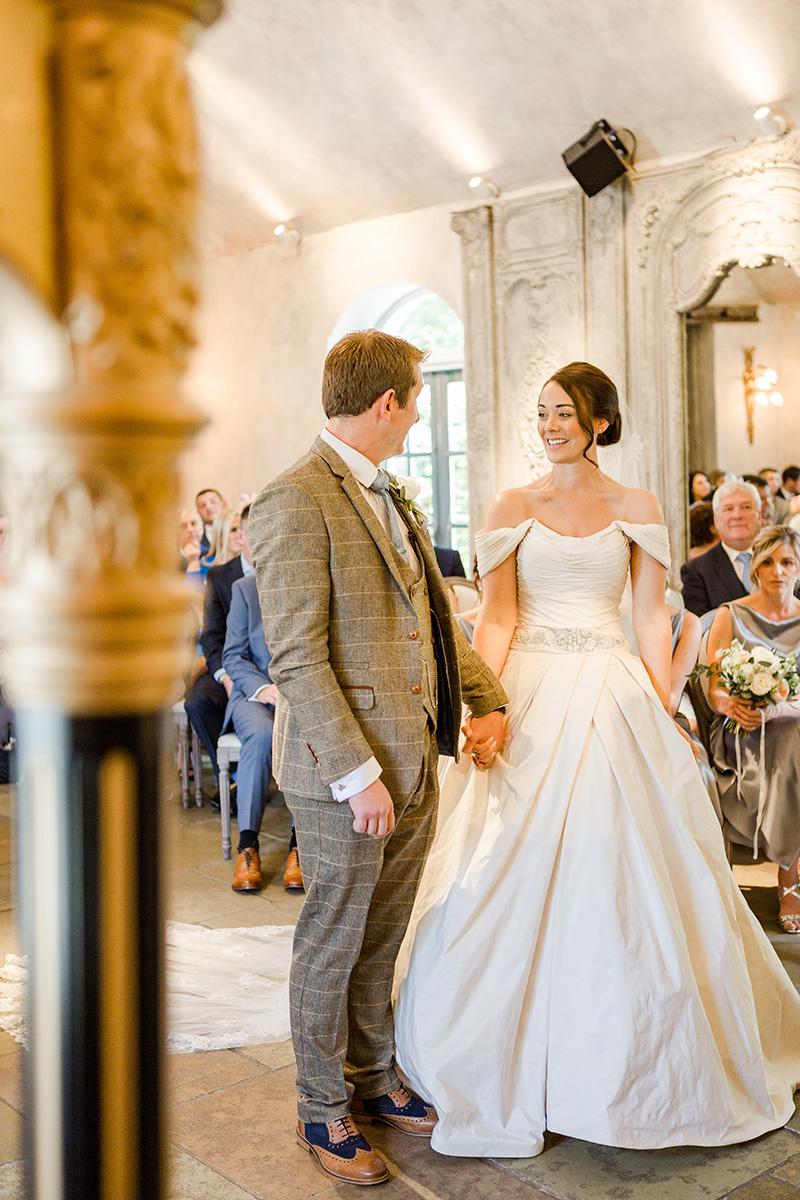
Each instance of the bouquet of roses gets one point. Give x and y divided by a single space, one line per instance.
760 675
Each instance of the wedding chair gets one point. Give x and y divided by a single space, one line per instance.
189 754
228 750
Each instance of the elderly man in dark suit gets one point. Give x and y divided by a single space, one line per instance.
371 671
723 572
208 698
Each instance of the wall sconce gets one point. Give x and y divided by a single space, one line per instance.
759 389
286 234
770 122
484 187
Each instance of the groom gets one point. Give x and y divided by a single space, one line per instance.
371 671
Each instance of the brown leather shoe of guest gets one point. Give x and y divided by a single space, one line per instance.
342 1151
247 876
400 1109
292 876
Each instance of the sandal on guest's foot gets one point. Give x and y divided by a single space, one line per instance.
787 920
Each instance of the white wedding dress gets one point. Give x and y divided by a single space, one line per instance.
580 958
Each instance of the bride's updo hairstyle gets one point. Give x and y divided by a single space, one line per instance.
595 399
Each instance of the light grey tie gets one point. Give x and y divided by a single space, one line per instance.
744 558
380 484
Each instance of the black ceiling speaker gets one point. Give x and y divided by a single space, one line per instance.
598 158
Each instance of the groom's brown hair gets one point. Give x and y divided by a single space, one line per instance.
362 366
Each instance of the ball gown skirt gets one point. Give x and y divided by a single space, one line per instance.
580 958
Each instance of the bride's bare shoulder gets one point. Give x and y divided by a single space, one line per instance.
640 507
509 509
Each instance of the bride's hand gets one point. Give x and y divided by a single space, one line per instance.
694 747
482 753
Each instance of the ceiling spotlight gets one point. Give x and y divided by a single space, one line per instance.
770 122
484 187
286 234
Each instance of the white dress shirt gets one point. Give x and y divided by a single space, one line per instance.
733 555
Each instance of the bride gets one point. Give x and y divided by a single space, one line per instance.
580 958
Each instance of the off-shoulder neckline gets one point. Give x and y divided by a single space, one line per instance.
570 536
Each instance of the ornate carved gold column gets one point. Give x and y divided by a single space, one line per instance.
92 610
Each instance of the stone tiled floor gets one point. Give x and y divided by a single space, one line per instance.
231 1112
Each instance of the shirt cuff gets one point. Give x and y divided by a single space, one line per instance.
355 781
258 692
218 674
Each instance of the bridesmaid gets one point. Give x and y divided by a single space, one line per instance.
769 616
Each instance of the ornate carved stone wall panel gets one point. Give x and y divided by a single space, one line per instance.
539 283
687 226
604 265
475 228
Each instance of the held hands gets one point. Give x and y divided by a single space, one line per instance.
484 738
373 810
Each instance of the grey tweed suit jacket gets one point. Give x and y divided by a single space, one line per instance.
338 620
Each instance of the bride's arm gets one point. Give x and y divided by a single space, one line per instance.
497 616
651 619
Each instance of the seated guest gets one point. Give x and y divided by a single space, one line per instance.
699 487
702 530
762 487
723 572
225 541
780 507
768 617
208 697
190 533
208 503
251 712
790 487
449 561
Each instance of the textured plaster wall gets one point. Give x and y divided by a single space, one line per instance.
776 339
266 319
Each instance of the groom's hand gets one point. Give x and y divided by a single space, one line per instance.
490 726
373 810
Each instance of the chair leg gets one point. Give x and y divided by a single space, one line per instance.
197 761
183 761
225 803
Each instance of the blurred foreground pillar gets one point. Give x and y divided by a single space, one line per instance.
92 610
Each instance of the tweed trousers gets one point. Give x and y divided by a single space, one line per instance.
359 895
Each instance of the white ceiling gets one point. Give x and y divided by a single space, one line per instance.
324 112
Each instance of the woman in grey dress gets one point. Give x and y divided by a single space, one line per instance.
762 800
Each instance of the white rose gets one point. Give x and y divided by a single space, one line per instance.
762 654
412 486
762 683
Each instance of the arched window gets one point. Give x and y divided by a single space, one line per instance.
436 449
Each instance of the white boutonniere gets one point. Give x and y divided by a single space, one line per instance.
405 492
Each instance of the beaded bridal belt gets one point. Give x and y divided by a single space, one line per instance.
570 640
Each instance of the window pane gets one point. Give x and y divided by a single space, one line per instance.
459 489
457 415
399 465
460 542
419 437
431 324
422 469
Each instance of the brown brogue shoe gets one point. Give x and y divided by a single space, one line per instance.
342 1151
292 876
247 876
400 1109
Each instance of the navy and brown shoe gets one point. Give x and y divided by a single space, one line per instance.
400 1109
342 1151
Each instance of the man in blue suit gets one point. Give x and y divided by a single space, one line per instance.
251 713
